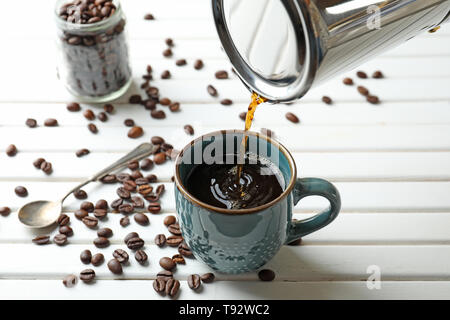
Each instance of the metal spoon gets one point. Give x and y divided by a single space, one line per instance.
41 214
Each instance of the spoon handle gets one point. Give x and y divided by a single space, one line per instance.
140 152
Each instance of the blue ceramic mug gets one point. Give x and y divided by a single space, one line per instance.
236 241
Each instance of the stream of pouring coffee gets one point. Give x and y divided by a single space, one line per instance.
256 100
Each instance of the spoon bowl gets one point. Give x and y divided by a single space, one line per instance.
40 214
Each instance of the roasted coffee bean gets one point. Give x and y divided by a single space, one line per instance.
158 114
135 99
207 277
169 42
153 93
167 263
151 178
129 122
92 128
184 250
181 62
63 219
133 165
73 107
178 259
121 255
348 81
101 204
70 281
160 240
363 91
159 158
159 285
164 275
87 205
60 239
102 117
46 167
90 222
87 275
5 211
80 214
122 177
125 221
141 256
154 207
146 164
141 219
189 130
109 108
150 104
123 193
40 240
226 102
116 204
174 107
66 230
129 236
21 191
135 132
11 150
172 287
160 189
165 74
97 259
361 74
136 175
126 208
169 220
89 114
149 16
51 122
86 256
327 100
165 101
82 152
37 163
292 117
135 243
80 194
129 185
141 181
101 242
31 123
372 99
174 241
157 140
222 74
377 75
105 233
295 242
194 281
198 64
109 179
266 275
167 53
212 91
243 116
174 228
145 190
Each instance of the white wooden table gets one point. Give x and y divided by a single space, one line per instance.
391 163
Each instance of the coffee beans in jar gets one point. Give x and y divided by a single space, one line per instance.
92 46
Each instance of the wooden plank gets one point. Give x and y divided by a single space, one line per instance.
224 290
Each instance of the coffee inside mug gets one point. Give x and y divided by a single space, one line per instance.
206 172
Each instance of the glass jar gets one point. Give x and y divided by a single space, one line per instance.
93 60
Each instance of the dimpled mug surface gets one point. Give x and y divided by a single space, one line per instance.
237 241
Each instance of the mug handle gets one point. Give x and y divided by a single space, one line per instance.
314 187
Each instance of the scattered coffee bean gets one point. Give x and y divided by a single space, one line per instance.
126 208
66 230
348 81
102 117
130 185
174 107
207 277
125 221
141 256
169 42
5 211
109 108
212 91
146 164
31 123
172 287
149 16
194 281
222 74
174 228
21 191
361 74
135 99
123 193
101 242
101 204
167 263
82 152
109 179
129 236
89 114
160 240
87 275
164 275
136 175
88 206
169 220
327 100
97 259
92 128
105 233
159 158
377 75
165 101
151 178
90 222
70 281
121 255
226 102
292 117
181 62
80 194
47 167
198 64
135 132
135 243
73 107
154 207
157 140
167 53
166 74
243 116
174 241
373 99
11 150
159 285
37 163
158 114
41 240
266 275
63 220
184 250
189 130
178 259
129 122
141 219
100 213
51 122
363 90
86 256
80 214
60 239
